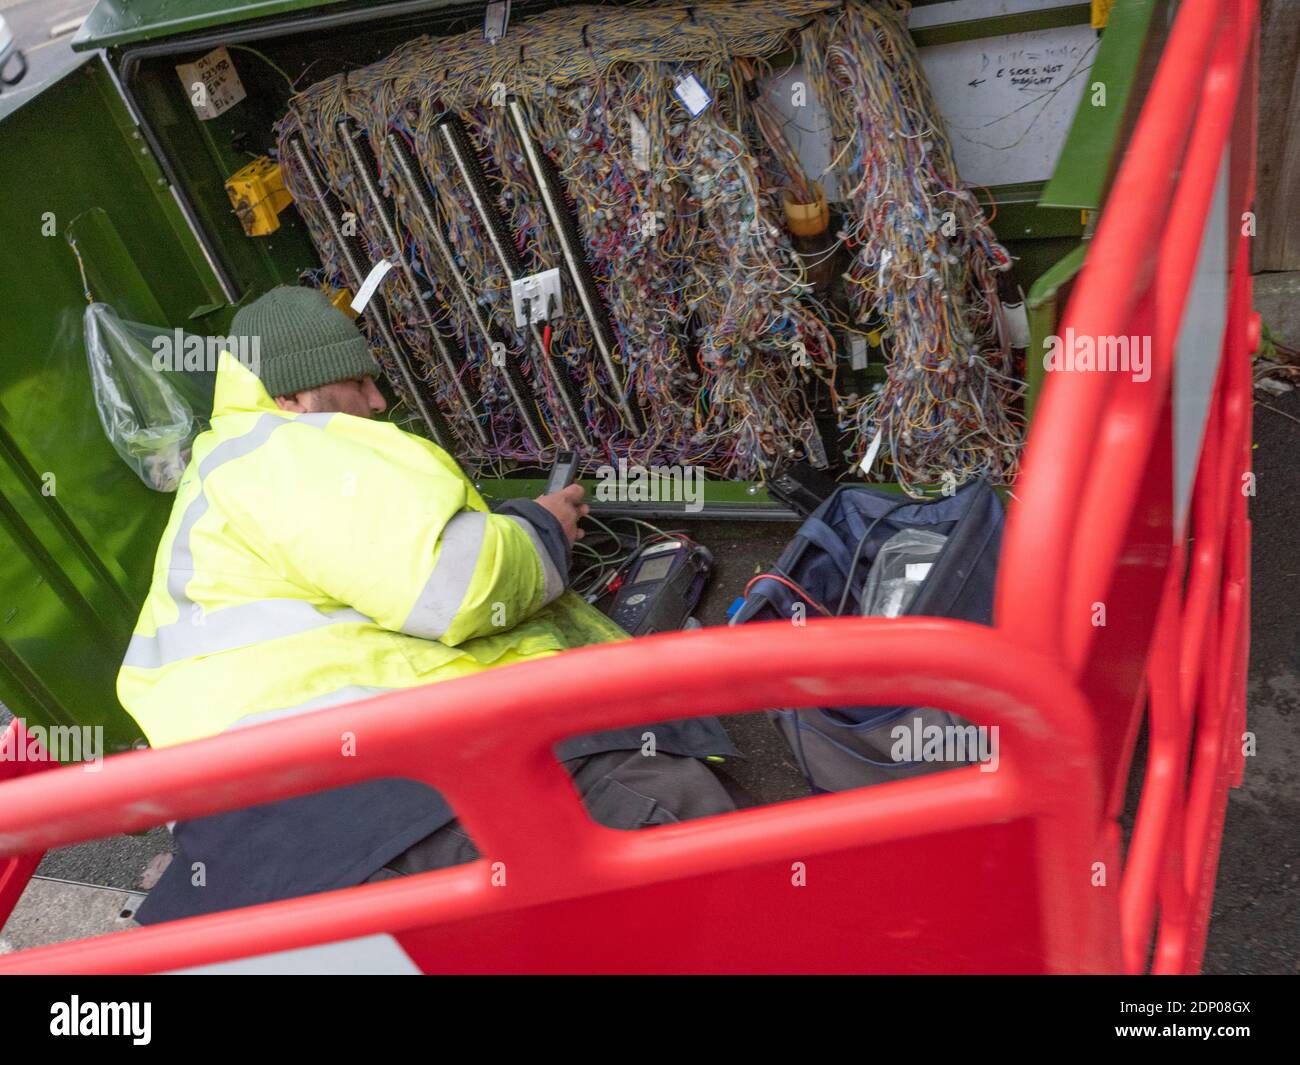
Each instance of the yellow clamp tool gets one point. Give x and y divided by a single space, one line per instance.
258 195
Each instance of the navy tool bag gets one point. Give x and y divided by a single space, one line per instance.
829 560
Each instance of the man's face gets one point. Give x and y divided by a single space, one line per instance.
357 396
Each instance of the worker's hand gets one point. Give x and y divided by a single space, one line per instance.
568 508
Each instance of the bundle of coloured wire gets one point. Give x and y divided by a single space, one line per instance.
601 560
924 259
732 423
721 343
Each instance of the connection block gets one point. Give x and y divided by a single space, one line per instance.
258 195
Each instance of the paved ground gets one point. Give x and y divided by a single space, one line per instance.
768 773
47 57
1255 926
1277 298
50 909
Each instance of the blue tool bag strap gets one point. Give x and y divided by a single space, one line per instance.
823 536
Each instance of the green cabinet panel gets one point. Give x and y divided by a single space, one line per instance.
78 530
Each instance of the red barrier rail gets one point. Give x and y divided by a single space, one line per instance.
1039 814
966 871
1097 523
17 869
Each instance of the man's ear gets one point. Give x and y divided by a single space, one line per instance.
291 403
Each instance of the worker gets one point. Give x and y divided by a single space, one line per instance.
316 557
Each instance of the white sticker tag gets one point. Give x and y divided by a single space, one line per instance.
858 351
377 273
640 142
1016 322
495 20
917 571
212 84
694 96
870 457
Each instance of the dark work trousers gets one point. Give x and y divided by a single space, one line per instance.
621 789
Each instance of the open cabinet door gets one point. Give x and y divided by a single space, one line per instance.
84 211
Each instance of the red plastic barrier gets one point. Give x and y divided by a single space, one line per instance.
17 869
1096 522
888 863
966 871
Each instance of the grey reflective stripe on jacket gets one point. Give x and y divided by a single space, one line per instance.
350 694
231 628
196 632
444 593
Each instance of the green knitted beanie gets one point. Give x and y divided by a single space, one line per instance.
303 341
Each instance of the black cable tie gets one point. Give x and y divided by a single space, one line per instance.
585 43
690 14
521 53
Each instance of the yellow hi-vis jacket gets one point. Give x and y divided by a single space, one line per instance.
314 559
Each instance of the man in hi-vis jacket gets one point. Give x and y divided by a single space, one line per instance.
314 557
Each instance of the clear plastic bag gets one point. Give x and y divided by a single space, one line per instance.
902 564
147 413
